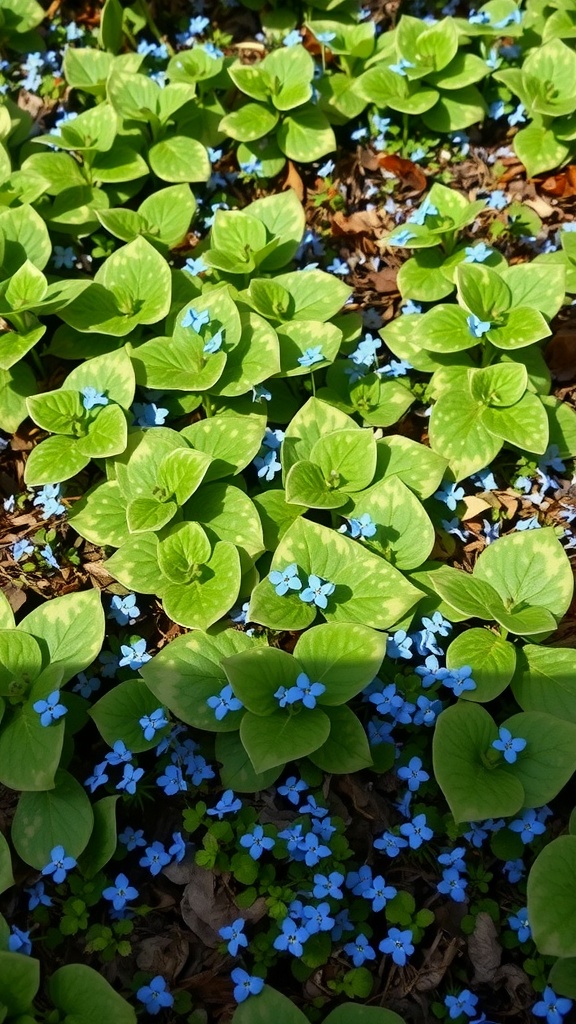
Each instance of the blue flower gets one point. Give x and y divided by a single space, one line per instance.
134 655
508 745
426 209
517 116
528 826
92 397
428 711
172 781
398 944
363 527
317 919
519 923
124 609
476 326
19 942
285 579
458 680
196 320
450 494
388 701
328 885
130 778
292 38
305 691
453 859
228 804
514 870
339 267
317 592
398 645
379 893
155 996
390 844
326 169
99 778
21 547
224 702
256 842
120 893
531 523
48 497
59 865
453 885
477 253
416 831
268 465
152 723
400 67
155 858
195 266
64 256
214 343
311 356
413 774
245 985
132 839
325 37
37 896
465 1003
552 1007
292 788
233 934
50 710
261 394
48 557
402 237
291 938
178 848
313 850
359 950
497 200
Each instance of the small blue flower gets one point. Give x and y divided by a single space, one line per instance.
19 942
245 985
413 774
426 209
152 723
362 527
228 804
476 326
48 497
155 996
390 844
224 702
325 37
311 356
453 885
123 609
378 893
292 38
465 1003
64 256
233 934
292 788
37 896
134 655
261 394
147 414
50 710
398 645
214 343
317 592
196 320
477 253
328 885
398 944
132 839
326 169
402 237
497 200
401 66
291 938
120 893
519 924
92 398
172 781
528 826
454 859
59 865
285 579
178 848
268 465
130 778
508 745
416 831
514 870
195 266
359 950
256 842
554 1008
305 691
517 116
99 778
21 547
428 711
155 858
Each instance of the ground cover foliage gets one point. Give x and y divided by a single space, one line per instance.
287 400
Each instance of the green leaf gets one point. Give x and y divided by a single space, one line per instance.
306 134
232 516
539 149
6 876
25 238
316 294
552 898
275 515
107 434
296 337
491 659
167 214
283 217
137 469
229 442
444 329
346 749
188 670
15 385
455 110
202 600
345 657
471 596
524 424
57 411
312 421
520 327
111 373
256 674
353 1013
548 761
29 752
181 472
100 516
180 553
20 661
458 433
473 789
562 976
482 291
58 817
404 532
285 738
70 629
528 569
110 34
117 715
19 983
545 680
421 469
269 1005
135 564
237 772
179 159
103 841
539 286
251 122
255 357
501 384
291 76
85 997
368 590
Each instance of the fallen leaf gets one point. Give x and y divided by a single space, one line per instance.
293 180
384 281
408 172
164 954
561 185
484 950
561 353
474 506
362 222
206 907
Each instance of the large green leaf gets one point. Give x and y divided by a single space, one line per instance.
528 568
552 898
29 752
19 983
117 715
58 817
549 758
457 432
545 680
70 629
491 659
345 657
346 749
473 788
524 424
285 736
85 997
55 459
199 602
405 534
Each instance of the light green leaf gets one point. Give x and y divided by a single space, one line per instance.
103 840
255 676
316 294
482 291
417 466
135 564
20 661
111 374
144 514
118 713
19 983
181 472
528 568
472 787
312 421
545 680
237 772
345 657
227 442
199 602
405 534
521 327
29 752
106 435
57 411
524 424
100 516
501 384
346 749
552 898
285 738
250 122
457 432
306 134
549 759
58 817
491 659
70 629
232 516
296 337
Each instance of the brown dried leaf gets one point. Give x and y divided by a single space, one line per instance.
362 222
384 281
408 172
474 506
206 908
561 353
484 950
164 954
561 185
293 180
